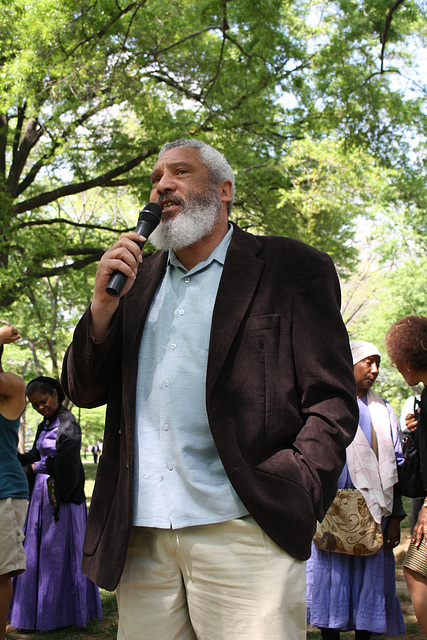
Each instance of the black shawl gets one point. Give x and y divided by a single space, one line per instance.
65 467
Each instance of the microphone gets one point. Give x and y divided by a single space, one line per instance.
148 220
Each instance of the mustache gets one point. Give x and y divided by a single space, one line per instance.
167 198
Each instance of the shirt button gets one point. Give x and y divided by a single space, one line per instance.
187 279
170 467
166 383
173 345
166 427
181 312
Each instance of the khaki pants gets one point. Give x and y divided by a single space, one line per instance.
226 581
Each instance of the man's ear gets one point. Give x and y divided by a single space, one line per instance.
226 191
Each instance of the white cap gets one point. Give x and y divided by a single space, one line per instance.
361 349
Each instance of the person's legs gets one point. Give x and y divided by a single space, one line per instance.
151 595
240 584
5 598
330 634
417 587
333 634
12 554
222 581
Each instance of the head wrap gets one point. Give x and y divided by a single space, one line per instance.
51 382
361 349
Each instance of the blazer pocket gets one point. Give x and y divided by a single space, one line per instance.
261 323
100 507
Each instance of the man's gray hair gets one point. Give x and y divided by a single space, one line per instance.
215 162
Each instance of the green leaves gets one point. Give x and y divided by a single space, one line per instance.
318 106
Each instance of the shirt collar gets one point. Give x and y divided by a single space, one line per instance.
217 254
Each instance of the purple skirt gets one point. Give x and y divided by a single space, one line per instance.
53 592
353 592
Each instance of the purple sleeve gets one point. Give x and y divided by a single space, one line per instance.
40 467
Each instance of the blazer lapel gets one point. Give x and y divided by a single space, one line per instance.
136 306
240 277
139 298
242 271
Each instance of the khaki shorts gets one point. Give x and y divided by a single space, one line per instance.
416 558
12 519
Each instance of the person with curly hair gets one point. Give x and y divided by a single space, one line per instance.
406 343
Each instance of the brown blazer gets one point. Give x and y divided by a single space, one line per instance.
280 393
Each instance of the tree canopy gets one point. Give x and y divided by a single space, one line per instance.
319 107
89 90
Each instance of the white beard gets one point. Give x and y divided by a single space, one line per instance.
195 221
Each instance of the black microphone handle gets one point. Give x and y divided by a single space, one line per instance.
147 222
116 284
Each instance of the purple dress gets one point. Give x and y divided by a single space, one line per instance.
53 592
347 592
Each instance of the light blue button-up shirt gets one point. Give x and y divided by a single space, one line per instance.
179 480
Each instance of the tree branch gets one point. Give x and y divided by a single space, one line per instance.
383 37
104 180
176 85
99 34
18 131
76 266
225 27
71 223
4 123
212 27
32 135
56 142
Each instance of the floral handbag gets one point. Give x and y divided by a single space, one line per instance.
348 526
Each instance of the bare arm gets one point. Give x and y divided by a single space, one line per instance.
12 387
420 528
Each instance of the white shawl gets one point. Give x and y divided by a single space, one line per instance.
375 478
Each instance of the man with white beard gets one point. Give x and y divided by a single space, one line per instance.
227 374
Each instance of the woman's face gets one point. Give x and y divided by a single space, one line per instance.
412 376
45 403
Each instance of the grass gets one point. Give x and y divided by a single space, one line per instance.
107 628
95 629
90 472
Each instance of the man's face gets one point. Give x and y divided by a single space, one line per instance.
177 174
191 204
365 373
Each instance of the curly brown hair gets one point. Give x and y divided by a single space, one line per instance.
406 342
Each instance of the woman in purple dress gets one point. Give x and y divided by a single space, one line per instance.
348 592
53 592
